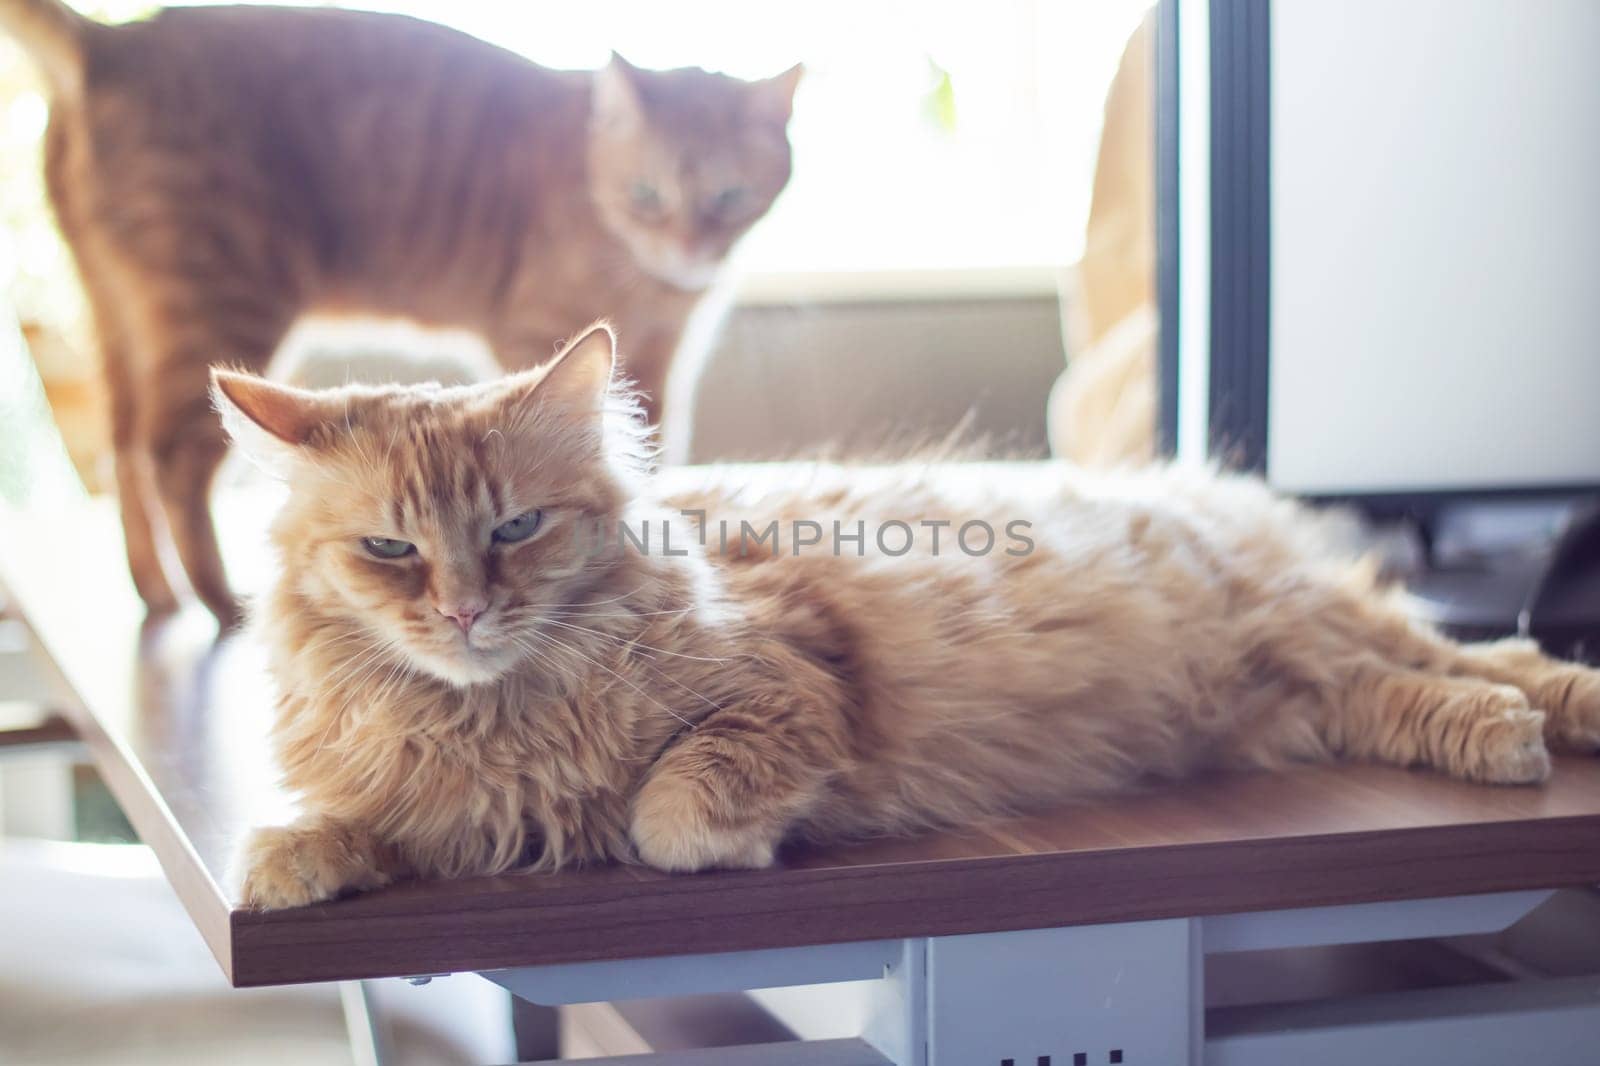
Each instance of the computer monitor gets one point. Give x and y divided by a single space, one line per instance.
1386 216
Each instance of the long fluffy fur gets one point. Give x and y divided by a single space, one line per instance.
697 710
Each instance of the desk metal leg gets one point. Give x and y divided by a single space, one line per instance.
1088 994
361 1024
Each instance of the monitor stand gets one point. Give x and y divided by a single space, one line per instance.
1475 603
1514 571
1565 612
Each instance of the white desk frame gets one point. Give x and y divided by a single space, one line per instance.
1084 994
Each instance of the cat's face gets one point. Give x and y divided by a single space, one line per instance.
446 524
683 162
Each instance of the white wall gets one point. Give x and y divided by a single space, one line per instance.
878 377
1436 244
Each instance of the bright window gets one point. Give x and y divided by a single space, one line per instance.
939 134
930 134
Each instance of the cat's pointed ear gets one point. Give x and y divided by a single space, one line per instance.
580 376
620 65
268 421
289 414
576 381
774 97
617 103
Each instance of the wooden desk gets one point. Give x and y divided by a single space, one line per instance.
176 725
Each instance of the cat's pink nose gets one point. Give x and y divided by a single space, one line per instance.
462 614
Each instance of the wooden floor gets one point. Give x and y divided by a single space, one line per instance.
177 726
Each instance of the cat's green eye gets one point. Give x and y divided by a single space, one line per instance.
519 528
387 547
645 197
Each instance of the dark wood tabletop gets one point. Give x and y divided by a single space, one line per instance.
177 723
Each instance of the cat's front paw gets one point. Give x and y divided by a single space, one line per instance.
308 862
672 830
1509 748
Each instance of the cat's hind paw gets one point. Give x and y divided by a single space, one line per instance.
307 862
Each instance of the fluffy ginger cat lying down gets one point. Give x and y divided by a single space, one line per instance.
474 677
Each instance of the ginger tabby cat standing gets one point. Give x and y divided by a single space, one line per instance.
470 681
220 171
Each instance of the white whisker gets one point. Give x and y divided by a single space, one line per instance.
633 642
602 666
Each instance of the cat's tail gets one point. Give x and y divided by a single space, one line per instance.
54 35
